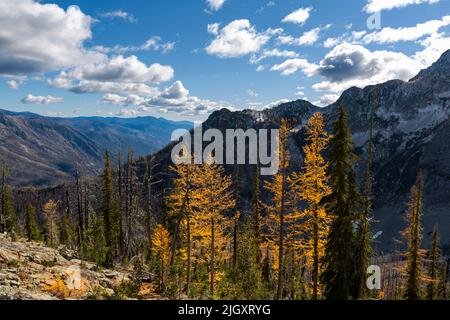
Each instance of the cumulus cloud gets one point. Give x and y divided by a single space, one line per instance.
326 100
307 38
30 99
237 39
299 16
215 5
291 66
379 5
391 35
353 65
273 53
120 14
38 37
12 84
214 28
116 75
175 98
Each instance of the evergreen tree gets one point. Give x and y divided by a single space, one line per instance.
94 246
109 214
247 272
433 270
413 233
312 186
363 241
31 226
338 275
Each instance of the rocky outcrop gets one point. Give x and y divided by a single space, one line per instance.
31 270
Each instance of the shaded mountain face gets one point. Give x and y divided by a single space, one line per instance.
41 151
143 135
412 133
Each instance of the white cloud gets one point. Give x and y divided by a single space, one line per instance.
260 68
391 35
276 103
379 5
434 47
115 75
350 65
214 28
237 39
175 98
215 5
12 84
273 53
119 14
299 16
291 66
154 43
326 100
307 38
38 37
30 99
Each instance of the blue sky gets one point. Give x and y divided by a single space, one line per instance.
185 59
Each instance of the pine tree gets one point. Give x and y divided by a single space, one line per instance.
433 270
31 226
413 233
338 275
312 186
94 246
109 214
363 241
281 205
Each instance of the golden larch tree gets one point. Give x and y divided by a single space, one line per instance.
311 186
280 207
214 199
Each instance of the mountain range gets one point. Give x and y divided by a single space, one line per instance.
412 134
42 151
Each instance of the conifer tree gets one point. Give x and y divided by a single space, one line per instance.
160 247
338 275
312 186
31 226
180 202
94 246
109 213
257 208
280 206
413 233
215 198
363 241
433 270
